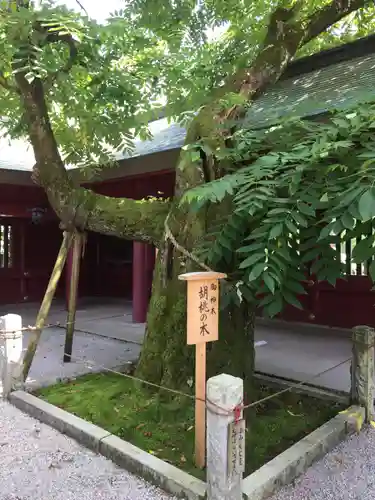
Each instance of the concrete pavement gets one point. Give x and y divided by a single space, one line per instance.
290 351
299 352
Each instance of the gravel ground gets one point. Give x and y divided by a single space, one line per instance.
39 463
347 473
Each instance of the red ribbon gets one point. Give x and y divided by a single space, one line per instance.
237 413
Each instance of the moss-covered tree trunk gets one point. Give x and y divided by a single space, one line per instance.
166 358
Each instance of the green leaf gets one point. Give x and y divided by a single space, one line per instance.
256 272
269 282
278 211
283 252
275 231
354 212
366 205
350 196
325 232
296 287
296 274
317 265
348 221
250 248
252 260
292 228
299 219
275 273
266 300
311 254
372 270
305 209
275 259
363 250
291 299
274 307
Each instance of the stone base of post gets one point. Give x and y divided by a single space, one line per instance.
10 354
362 369
225 438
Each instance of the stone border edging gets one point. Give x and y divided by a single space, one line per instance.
280 471
290 464
152 469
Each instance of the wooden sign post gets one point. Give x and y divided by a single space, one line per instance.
202 327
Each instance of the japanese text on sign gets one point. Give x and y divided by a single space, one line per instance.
207 306
236 447
203 311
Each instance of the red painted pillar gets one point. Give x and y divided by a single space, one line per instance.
143 266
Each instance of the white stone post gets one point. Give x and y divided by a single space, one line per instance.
225 438
362 369
10 353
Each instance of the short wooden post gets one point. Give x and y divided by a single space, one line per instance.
202 327
10 353
46 303
362 369
225 438
73 292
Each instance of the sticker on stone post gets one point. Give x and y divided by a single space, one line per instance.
236 447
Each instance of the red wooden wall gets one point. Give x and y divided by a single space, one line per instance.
350 303
17 201
139 186
107 264
31 246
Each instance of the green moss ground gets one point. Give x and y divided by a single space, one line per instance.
166 428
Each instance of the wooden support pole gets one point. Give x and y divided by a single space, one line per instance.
200 405
46 303
73 292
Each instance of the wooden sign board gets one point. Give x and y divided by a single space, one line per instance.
202 327
236 447
202 306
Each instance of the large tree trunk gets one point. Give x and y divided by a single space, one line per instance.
166 359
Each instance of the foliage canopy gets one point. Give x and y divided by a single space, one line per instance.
305 188
103 90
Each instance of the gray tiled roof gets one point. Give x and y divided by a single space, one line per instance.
16 155
337 85
165 136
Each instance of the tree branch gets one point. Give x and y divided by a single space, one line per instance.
329 15
73 53
77 207
54 38
285 35
82 7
